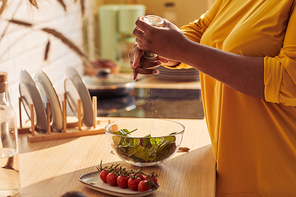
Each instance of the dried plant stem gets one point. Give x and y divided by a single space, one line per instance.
13 15
65 40
23 23
62 3
68 43
3 6
34 3
47 50
50 31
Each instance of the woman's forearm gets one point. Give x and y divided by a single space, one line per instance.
242 73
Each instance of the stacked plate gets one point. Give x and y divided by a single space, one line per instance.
30 95
75 89
190 74
39 91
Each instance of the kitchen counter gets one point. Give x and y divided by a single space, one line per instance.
52 168
154 97
156 82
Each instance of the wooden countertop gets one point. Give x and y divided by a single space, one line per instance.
52 168
154 82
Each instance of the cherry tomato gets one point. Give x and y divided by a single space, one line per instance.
103 175
133 183
122 181
141 176
154 179
112 179
144 185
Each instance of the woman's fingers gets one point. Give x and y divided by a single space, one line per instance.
142 25
135 73
138 33
149 69
163 59
143 71
138 63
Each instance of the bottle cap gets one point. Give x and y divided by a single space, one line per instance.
3 77
153 20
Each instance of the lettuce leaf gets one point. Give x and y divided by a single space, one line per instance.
144 149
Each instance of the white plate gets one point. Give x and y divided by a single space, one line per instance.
93 181
74 81
190 74
31 94
26 100
48 94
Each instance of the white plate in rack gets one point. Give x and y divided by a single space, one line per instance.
49 94
75 89
26 100
93 181
30 95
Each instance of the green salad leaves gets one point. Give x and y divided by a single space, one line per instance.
146 149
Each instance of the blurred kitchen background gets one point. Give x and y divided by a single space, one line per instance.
83 23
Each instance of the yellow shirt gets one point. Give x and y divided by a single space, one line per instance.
254 140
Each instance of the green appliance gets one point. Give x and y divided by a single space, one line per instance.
116 31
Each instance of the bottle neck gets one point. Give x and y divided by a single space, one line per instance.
3 94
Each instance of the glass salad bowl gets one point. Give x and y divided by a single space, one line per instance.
145 142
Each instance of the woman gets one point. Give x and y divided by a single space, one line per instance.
246 53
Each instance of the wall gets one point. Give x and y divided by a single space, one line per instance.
24 48
186 10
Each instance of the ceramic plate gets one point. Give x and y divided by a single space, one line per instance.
74 81
31 94
93 181
190 74
72 96
48 94
26 100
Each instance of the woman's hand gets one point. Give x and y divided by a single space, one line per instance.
163 41
140 65
149 39
242 73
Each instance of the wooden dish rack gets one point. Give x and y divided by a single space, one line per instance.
71 126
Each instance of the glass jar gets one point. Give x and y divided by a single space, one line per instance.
9 168
154 21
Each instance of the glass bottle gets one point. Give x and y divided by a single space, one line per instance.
9 168
154 21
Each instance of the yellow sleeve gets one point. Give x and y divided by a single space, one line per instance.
280 71
195 30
